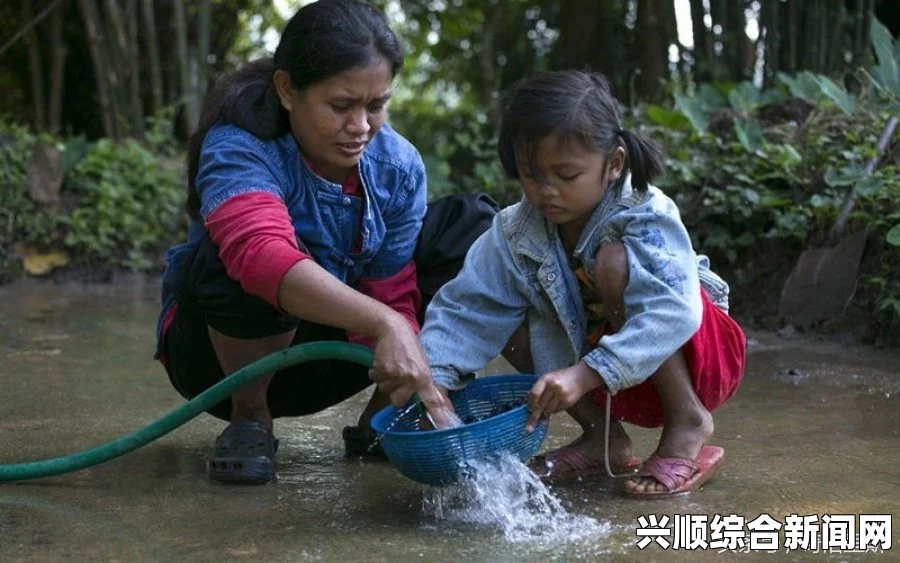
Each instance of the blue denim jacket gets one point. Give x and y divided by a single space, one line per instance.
517 272
233 162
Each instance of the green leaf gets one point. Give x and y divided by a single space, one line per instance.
819 200
847 176
745 98
692 108
888 72
840 96
803 86
773 96
749 134
745 239
659 115
868 186
711 97
893 236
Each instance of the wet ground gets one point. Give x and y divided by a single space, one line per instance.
814 430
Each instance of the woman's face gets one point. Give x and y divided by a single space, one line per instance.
334 119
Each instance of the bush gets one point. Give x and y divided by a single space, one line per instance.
121 204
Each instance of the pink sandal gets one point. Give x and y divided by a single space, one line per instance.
680 476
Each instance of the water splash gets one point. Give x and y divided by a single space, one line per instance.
503 493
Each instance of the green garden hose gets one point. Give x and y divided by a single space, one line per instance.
273 362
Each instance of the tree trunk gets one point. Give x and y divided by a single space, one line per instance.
487 60
578 21
36 68
92 26
156 81
184 68
137 105
59 51
652 47
793 30
120 57
203 38
864 13
703 47
835 38
771 39
737 53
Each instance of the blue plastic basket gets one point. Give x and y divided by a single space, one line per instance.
440 457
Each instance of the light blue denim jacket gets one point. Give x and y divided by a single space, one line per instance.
235 162
517 272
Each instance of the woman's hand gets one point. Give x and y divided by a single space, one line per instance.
559 390
400 367
441 414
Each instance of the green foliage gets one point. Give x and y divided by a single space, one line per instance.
127 205
750 168
121 204
893 236
887 72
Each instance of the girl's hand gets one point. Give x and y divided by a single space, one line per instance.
400 367
559 390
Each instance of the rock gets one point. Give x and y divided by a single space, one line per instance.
45 175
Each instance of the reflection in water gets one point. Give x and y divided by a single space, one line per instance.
505 494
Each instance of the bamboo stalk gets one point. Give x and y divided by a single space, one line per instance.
121 65
137 105
59 52
152 47
180 23
36 68
90 14
203 37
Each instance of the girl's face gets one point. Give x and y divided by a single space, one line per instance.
334 119
573 179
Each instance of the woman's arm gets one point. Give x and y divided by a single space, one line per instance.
259 251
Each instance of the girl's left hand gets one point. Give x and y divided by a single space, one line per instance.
559 390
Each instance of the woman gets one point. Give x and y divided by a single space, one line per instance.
307 209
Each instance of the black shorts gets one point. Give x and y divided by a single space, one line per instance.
207 297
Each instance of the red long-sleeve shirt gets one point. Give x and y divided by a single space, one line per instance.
257 245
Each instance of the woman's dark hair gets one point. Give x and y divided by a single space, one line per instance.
322 39
578 106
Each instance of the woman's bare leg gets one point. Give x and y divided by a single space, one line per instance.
250 402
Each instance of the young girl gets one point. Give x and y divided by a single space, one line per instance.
598 265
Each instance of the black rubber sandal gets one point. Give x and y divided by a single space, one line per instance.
244 454
362 441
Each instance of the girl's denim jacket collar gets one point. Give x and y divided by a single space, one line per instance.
518 272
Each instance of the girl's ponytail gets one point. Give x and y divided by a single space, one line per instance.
246 99
645 159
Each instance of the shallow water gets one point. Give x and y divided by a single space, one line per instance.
813 431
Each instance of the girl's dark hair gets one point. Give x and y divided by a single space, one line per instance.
322 39
577 106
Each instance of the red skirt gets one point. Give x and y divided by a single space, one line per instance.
716 356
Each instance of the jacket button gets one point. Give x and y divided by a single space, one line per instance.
346 201
551 277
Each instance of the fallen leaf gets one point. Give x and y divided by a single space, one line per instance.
38 263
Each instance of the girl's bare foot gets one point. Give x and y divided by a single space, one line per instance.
584 456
